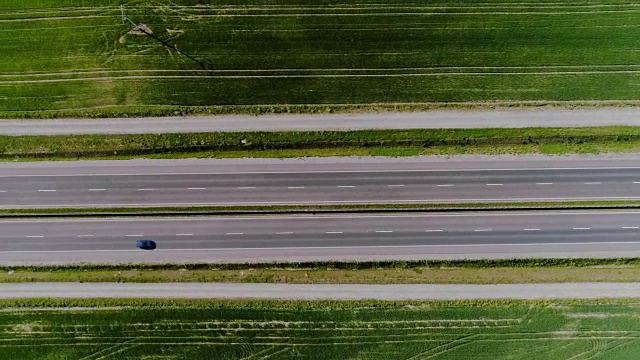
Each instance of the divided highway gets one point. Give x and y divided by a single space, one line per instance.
186 182
334 237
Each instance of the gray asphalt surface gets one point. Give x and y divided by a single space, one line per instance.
323 237
191 182
417 120
321 291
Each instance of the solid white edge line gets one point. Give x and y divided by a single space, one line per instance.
331 171
429 201
336 247
321 217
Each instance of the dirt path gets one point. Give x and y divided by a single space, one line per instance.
317 292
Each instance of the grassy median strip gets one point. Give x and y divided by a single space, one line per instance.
512 271
314 209
323 143
195 329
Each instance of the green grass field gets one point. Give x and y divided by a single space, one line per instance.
324 143
114 329
75 57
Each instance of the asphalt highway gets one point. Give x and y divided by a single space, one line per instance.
327 237
288 122
188 182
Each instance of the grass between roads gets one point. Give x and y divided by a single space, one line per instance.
182 329
64 57
323 143
384 272
305 209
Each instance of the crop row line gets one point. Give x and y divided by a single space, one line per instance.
337 6
329 14
398 69
293 76
199 342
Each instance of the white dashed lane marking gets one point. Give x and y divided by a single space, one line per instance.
395 185
481 230
437 230
531 229
631 227
97 189
35 236
345 186
134 235
581 228
196 188
333 232
184 234
234 233
46 190
246 187
495 184
295 187
284 233
146 189
593 183
384 231
444 185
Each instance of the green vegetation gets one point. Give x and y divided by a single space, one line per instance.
162 329
77 58
381 275
324 143
334 208
384 272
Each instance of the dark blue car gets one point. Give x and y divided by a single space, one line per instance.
146 244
